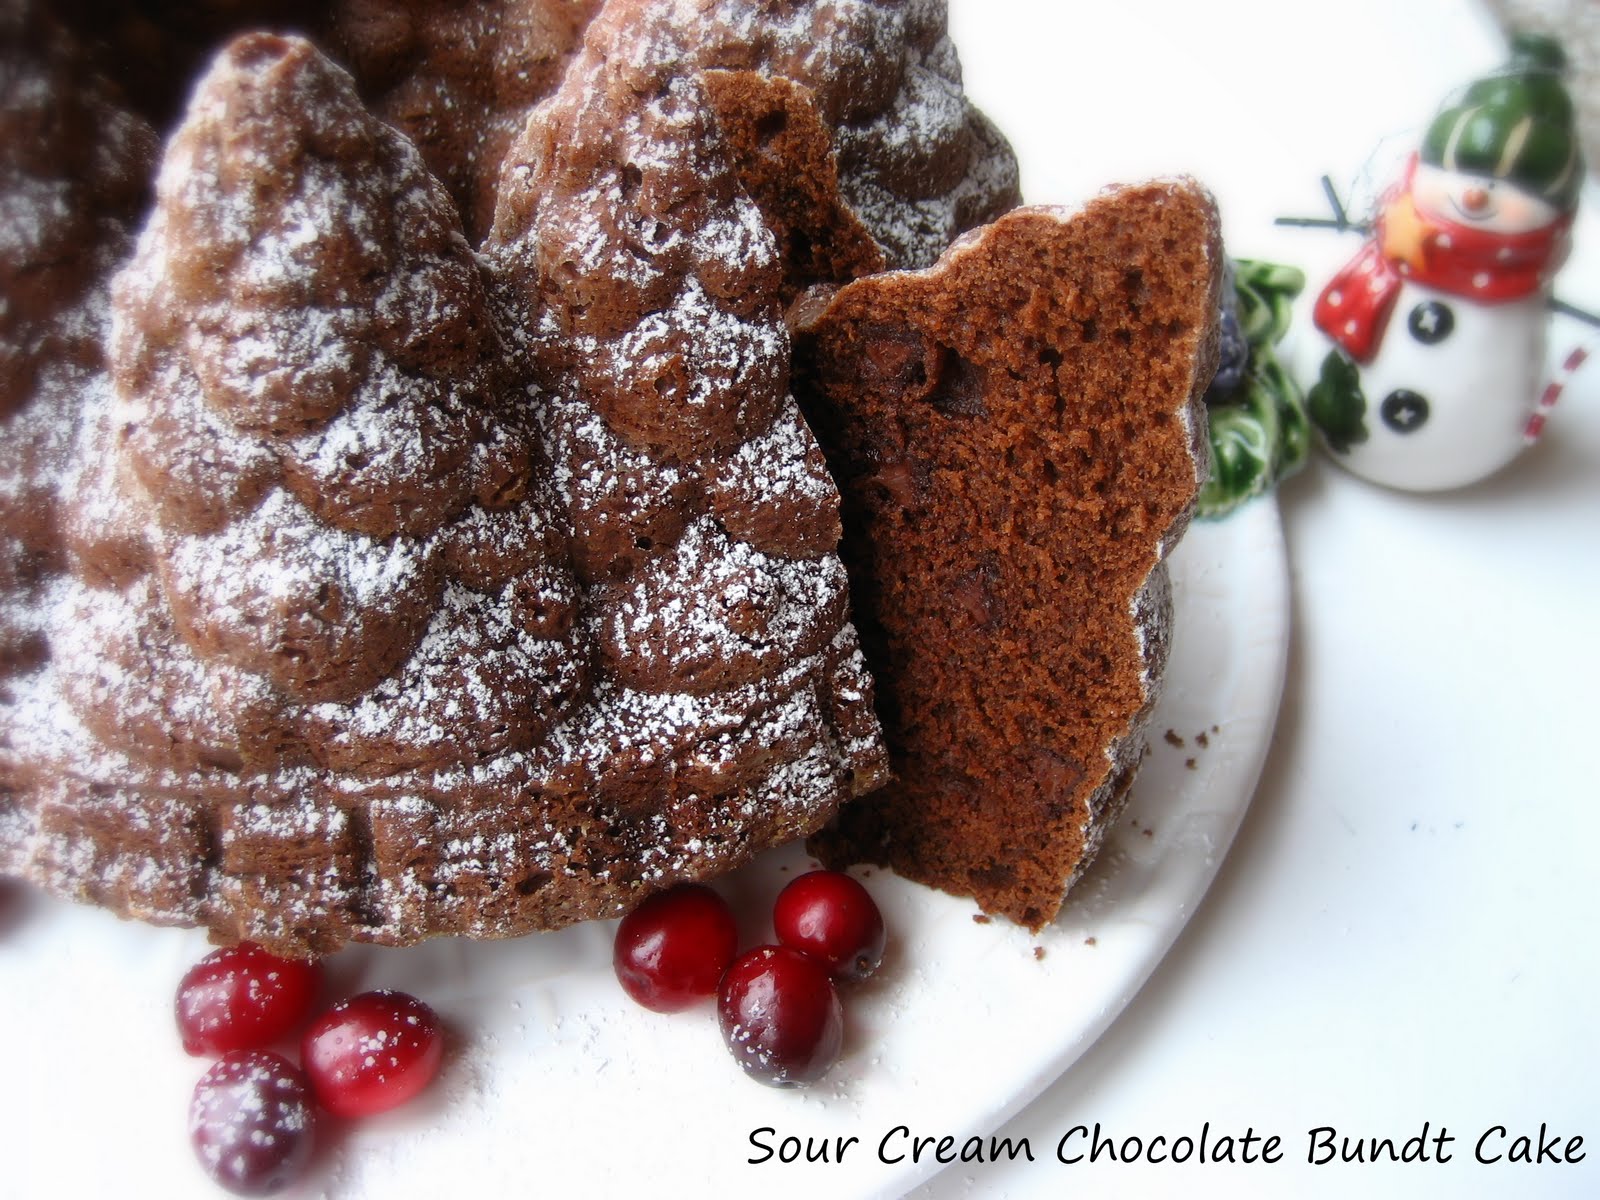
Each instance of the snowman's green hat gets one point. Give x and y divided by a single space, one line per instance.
1516 124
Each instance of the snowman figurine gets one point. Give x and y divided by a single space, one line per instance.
1437 326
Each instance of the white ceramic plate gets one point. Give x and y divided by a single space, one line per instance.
557 1085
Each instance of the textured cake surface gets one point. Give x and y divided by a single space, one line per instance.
1017 437
411 553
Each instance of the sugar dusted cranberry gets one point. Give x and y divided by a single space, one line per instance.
242 998
781 1016
831 917
371 1052
671 951
251 1122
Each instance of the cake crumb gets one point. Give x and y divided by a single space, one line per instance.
1091 941
1038 953
1173 738
981 919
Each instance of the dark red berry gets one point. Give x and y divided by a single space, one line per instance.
671 951
831 917
371 1052
781 1016
242 998
251 1122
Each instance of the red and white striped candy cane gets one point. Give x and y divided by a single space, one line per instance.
1552 392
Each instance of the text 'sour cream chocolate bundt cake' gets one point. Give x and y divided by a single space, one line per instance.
1018 437
365 582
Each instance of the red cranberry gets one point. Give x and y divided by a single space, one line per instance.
833 918
242 998
371 1052
251 1122
671 951
781 1016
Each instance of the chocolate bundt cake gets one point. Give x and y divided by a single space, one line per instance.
459 77
410 525
421 537
1018 437
325 663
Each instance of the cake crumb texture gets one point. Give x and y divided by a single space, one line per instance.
1018 441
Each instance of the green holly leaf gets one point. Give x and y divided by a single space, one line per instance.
1241 460
1259 433
1266 294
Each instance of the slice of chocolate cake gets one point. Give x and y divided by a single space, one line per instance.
1018 438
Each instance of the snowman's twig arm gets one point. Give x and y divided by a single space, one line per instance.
1323 223
1340 219
1335 203
1571 310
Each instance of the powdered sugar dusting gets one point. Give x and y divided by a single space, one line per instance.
63 224
917 162
414 590
435 614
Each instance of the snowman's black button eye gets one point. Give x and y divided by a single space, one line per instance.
1431 322
1404 411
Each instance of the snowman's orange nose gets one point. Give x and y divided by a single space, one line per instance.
1475 200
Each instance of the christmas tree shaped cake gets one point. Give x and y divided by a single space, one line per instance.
439 546
73 166
913 160
430 593
458 77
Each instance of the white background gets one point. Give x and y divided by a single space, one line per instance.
1404 931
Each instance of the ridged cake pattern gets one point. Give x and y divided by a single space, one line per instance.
917 162
397 587
72 170
459 78
330 670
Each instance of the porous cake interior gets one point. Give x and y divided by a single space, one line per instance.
1015 436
